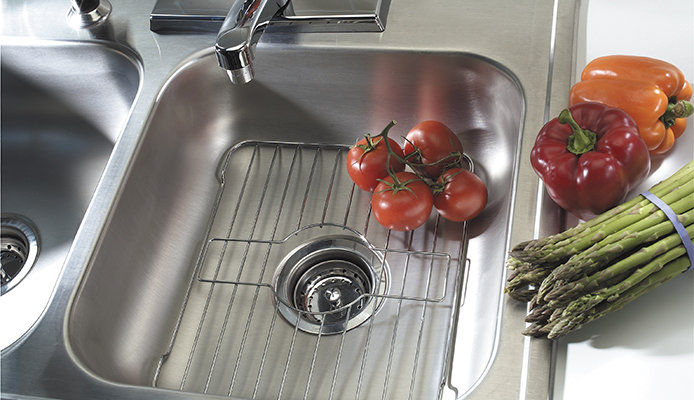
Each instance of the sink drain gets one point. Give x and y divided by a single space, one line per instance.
327 285
18 250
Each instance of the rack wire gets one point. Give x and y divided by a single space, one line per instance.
228 339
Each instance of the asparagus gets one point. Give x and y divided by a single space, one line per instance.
598 266
569 321
567 271
588 301
570 246
672 269
591 261
533 277
593 282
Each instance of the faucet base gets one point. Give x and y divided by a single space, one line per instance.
208 16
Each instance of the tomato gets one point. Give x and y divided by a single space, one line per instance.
435 142
402 205
462 197
367 161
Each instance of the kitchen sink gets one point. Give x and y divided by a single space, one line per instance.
236 212
64 105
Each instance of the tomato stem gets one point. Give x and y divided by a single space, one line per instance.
452 160
438 187
391 153
397 186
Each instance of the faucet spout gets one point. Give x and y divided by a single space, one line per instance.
240 33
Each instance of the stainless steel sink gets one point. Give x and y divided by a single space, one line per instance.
227 182
63 106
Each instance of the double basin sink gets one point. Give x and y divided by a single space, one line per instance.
178 296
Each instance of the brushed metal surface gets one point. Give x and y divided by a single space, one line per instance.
58 130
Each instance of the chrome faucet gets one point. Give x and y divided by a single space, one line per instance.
240 33
247 20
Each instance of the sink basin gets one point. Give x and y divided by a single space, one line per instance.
63 107
232 183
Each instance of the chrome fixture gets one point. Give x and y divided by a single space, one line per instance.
241 30
85 13
20 246
331 284
247 19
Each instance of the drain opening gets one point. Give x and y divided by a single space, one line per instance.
330 282
18 250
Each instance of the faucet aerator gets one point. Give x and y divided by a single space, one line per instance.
242 75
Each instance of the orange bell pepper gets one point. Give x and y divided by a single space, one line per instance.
653 92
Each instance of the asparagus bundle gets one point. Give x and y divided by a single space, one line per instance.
600 265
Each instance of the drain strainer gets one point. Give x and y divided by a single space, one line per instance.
18 250
328 284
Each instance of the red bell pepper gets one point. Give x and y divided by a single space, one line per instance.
590 157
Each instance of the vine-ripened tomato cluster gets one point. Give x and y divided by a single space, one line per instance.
403 200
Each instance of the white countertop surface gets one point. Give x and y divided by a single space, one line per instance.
645 350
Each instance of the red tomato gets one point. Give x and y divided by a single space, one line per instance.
367 161
464 195
435 143
404 205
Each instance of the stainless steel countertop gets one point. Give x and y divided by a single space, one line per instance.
531 38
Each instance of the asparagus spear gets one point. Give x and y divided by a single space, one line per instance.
561 294
568 271
600 253
669 271
522 279
592 261
568 247
588 301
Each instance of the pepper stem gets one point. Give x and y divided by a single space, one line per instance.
582 140
679 109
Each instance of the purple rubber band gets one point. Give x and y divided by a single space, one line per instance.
684 236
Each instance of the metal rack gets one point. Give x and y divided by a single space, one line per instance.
228 339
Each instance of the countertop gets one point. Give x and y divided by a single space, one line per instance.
645 350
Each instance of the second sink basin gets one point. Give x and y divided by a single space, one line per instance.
63 106
229 183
